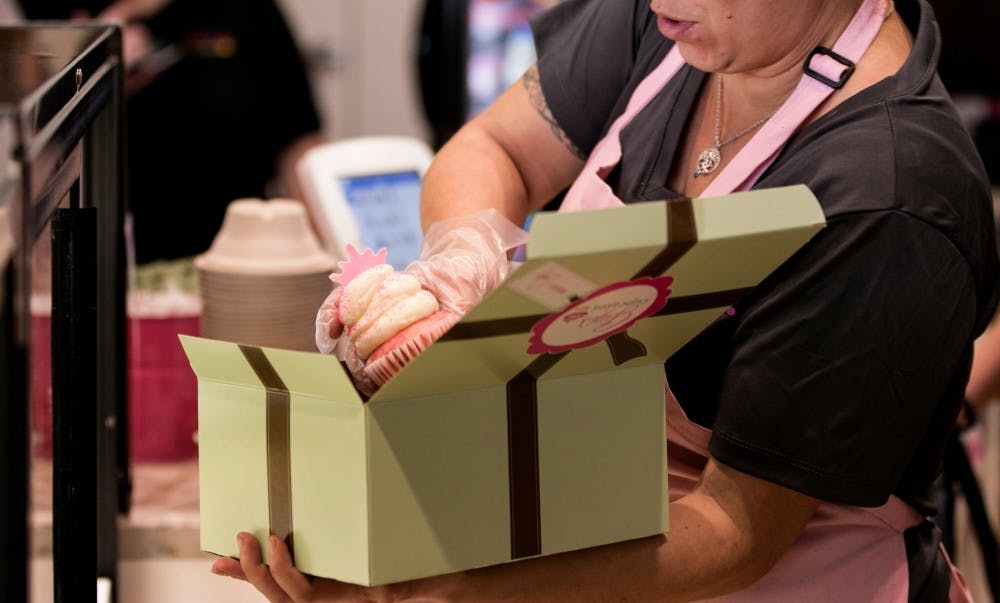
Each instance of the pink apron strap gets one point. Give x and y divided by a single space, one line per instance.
609 151
757 155
589 189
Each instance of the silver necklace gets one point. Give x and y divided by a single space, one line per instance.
710 158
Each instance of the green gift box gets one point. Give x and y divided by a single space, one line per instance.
534 426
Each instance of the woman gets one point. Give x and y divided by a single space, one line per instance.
808 426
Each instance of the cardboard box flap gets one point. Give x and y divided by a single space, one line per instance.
304 373
759 211
640 225
312 374
741 238
598 231
607 245
219 361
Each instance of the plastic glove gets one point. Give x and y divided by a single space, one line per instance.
356 366
329 341
464 258
328 326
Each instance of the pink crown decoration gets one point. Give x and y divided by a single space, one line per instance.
356 263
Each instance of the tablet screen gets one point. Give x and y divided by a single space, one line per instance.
387 210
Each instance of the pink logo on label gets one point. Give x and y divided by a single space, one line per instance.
603 313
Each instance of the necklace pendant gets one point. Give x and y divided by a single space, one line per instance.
709 159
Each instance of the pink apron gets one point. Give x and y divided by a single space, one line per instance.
845 553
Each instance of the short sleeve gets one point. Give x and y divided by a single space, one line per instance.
586 51
841 359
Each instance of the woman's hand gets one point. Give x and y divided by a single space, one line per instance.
465 257
282 583
724 536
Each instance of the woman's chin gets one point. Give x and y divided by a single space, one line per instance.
696 56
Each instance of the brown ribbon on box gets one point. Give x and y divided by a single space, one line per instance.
522 394
522 324
279 457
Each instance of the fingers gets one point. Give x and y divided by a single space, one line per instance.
331 314
357 368
288 578
256 572
228 566
282 583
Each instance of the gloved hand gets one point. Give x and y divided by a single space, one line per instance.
356 366
329 340
464 258
328 326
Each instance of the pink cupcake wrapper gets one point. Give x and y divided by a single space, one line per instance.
396 353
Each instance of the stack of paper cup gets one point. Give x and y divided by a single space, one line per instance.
264 277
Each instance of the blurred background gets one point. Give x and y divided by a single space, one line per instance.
224 100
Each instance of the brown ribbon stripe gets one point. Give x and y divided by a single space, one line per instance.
279 465
522 324
682 235
522 457
522 397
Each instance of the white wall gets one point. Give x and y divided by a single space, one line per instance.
362 60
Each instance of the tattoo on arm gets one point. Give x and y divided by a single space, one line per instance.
533 85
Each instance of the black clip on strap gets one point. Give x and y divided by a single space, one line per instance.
844 75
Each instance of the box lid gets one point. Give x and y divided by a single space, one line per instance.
713 250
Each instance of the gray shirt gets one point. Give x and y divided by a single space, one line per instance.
840 376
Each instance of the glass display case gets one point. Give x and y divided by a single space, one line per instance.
61 185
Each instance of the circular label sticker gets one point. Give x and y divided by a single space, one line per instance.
603 313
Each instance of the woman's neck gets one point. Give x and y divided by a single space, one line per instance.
763 89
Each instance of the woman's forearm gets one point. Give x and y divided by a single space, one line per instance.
721 539
984 381
680 566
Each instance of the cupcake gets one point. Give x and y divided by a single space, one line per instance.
386 307
387 316
404 346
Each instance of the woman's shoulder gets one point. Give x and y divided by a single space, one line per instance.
896 139
908 153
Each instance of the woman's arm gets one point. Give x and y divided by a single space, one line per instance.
512 157
984 381
723 537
